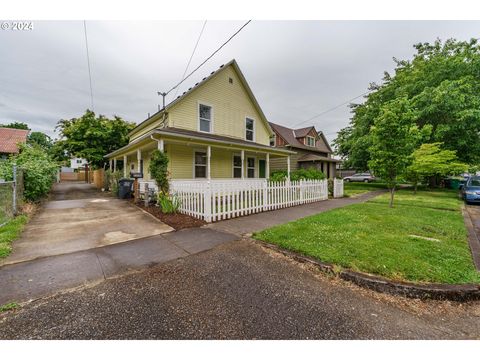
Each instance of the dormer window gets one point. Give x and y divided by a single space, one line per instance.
310 141
205 118
249 129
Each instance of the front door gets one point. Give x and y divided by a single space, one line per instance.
261 169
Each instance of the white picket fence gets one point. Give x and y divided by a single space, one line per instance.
224 199
337 188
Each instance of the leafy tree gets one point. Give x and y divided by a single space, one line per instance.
16 125
38 168
431 161
159 170
441 86
41 139
393 137
92 137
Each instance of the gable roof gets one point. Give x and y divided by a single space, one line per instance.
179 98
291 137
9 138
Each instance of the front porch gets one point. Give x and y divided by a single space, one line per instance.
198 158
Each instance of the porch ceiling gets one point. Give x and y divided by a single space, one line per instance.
194 138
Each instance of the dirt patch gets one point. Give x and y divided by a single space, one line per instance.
177 221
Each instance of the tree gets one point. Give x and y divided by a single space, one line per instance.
394 134
16 125
41 139
38 168
441 84
429 160
92 137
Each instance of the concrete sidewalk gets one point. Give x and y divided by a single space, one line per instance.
45 276
261 221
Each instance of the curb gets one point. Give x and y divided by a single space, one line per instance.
473 240
451 292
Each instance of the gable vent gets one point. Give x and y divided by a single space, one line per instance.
230 80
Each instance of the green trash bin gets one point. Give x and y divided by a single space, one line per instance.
454 184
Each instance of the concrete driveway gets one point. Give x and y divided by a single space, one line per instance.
79 217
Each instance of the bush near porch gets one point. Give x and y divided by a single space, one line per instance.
299 174
422 239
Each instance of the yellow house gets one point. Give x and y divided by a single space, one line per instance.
215 130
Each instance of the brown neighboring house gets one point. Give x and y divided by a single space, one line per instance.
311 147
9 139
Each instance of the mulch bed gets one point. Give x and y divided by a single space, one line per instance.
177 221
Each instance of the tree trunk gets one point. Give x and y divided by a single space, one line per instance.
392 192
415 189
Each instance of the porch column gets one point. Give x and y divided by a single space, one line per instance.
288 167
267 167
209 155
124 166
115 164
139 157
161 145
243 163
111 165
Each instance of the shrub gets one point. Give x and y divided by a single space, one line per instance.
38 168
300 174
110 181
168 204
159 170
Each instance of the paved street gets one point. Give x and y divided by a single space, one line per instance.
238 290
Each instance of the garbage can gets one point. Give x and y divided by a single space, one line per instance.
125 188
454 184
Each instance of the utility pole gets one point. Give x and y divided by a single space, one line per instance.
163 94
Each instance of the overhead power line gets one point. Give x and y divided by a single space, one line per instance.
331 109
88 63
203 62
191 56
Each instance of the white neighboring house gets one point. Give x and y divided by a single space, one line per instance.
78 163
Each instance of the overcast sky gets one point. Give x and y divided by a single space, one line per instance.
296 69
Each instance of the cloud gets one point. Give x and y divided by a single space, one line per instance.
296 69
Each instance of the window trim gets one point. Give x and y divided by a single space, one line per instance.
254 168
238 167
253 131
311 137
211 116
195 164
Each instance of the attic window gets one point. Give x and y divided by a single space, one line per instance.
310 141
230 80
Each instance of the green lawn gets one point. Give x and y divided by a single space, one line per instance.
357 188
9 232
372 238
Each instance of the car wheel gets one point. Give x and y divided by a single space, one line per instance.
366 180
347 180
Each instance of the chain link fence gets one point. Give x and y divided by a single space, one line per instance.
11 196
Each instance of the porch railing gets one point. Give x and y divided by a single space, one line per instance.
224 199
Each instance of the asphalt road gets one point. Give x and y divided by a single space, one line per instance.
238 290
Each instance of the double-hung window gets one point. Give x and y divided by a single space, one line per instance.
205 118
237 166
310 141
249 129
251 167
200 164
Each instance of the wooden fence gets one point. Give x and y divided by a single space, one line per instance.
337 188
224 199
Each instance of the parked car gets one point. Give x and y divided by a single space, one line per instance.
471 190
360 177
